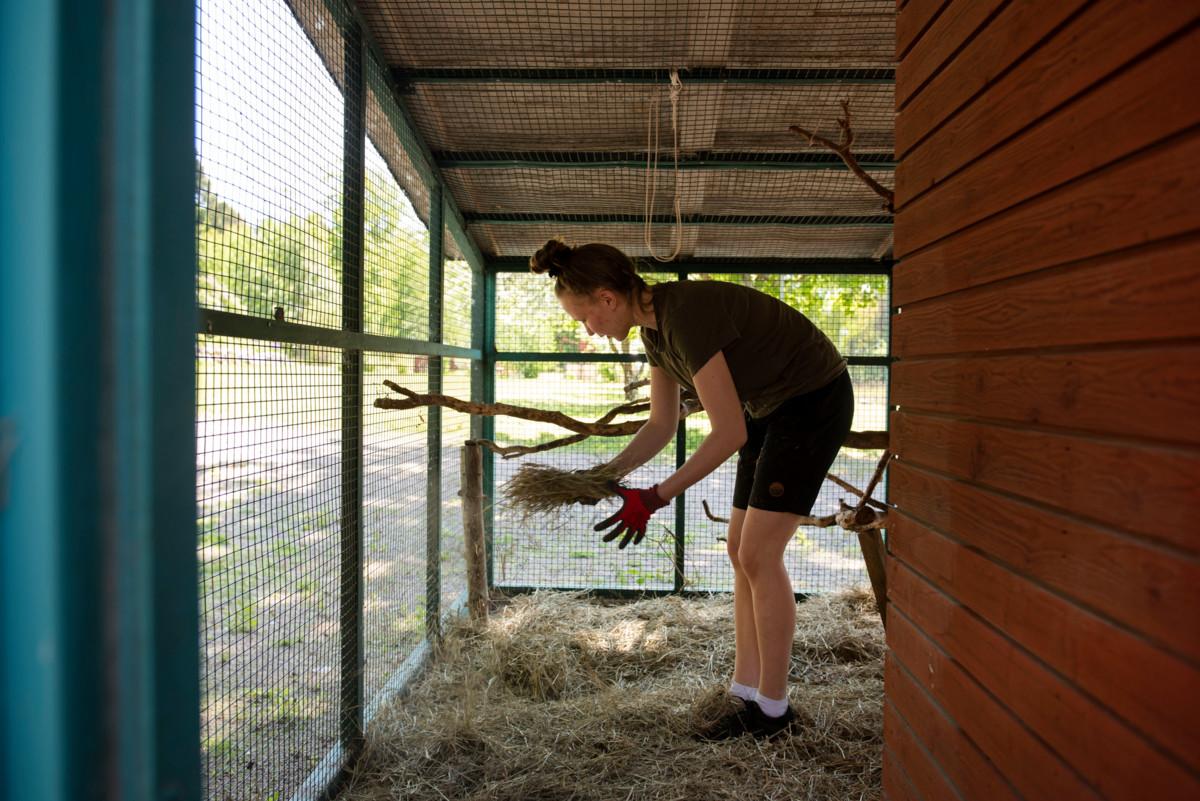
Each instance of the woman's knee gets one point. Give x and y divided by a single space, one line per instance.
733 537
751 560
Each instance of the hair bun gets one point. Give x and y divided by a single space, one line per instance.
552 258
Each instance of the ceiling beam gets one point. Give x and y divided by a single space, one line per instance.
806 220
408 79
719 264
595 160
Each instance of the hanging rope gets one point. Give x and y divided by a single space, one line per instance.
652 166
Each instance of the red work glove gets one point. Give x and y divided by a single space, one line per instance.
636 507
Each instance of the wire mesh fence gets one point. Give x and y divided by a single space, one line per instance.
561 549
279 206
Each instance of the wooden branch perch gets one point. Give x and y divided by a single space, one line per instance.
843 150
603 427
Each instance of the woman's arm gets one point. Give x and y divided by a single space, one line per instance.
658 430
714 385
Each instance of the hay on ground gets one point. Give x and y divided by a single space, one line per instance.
563 697
537 488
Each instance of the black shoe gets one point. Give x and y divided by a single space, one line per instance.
734 724
765 727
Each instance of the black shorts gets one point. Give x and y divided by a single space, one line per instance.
787 453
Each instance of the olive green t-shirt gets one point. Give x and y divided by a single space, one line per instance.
773 351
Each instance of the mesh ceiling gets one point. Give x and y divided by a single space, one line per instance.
634 33
566 117
537 109
708 192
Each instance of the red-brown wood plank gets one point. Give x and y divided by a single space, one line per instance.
924 774
1001 43
1150 491
1142 294
1104 37
1137 108
1120 764
912 20
1026 762
1104 661
965 767
955 25
1145 197
896 786
1130 392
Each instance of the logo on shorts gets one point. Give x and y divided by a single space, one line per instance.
776 489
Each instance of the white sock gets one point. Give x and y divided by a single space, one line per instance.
771 707
742 691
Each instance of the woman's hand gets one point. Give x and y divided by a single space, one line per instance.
631 519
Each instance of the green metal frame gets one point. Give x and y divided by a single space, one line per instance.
407 79
351 722
433 422
520 264
231 324
597 160
803 221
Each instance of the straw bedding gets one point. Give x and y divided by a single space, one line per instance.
564 697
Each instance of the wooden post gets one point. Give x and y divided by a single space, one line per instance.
472 499
871 543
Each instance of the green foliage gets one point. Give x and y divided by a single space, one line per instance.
294 262
851 309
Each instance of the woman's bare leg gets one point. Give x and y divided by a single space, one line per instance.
745 636
762 538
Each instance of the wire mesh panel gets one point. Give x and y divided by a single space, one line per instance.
458 302
561 549
817 559
269 166
545 190
456 430
395 257
312 510
395 463
268 492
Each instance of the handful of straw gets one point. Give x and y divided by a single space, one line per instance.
539 488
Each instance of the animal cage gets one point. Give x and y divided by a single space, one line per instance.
372 179
226 553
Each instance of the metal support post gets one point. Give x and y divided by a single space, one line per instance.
351 596
433 416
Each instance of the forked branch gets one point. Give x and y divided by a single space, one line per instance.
602 427
843 150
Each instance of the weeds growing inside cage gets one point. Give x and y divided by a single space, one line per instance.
564 697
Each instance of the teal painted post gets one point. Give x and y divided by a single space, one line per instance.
433 416
351 724
99 692
160 104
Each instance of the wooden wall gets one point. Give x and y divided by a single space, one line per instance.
1044 579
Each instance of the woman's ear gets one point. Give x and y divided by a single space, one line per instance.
607 298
